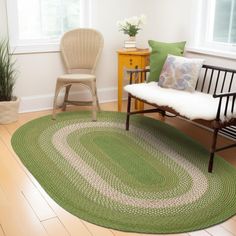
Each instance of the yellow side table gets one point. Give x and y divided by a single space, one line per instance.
138 58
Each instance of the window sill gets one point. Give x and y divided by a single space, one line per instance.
212 52
35 49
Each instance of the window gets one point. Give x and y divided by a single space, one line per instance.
224 22
217 25
37 25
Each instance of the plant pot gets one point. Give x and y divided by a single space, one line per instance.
131 42
9 111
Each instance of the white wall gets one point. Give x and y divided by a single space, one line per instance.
3 18
167 20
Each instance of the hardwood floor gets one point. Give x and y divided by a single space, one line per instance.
27 210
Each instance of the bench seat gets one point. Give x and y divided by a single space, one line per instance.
196 105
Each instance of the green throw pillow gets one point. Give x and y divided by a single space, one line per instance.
159 54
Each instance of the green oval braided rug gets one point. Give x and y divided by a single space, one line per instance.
151 179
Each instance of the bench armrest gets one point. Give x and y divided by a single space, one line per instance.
219 95
228 107
137 75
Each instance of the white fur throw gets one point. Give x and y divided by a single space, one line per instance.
193 106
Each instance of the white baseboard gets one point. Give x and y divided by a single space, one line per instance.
44 102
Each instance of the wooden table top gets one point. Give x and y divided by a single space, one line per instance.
135 51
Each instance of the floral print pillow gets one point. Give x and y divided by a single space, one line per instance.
180 73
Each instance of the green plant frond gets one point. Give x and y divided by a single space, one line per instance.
7 72
131 30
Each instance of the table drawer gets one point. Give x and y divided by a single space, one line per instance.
131 61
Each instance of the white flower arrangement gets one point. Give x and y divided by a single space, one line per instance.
131 26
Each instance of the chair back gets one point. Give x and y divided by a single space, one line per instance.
81 49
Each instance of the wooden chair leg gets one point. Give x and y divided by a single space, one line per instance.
213 148
66 97
94 101
57 90
128 112
98 105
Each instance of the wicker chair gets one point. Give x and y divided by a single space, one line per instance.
80 50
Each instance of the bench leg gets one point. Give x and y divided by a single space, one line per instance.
213 148
128 112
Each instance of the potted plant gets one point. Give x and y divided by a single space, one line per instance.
131 27
9 104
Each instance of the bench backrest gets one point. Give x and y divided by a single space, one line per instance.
214 80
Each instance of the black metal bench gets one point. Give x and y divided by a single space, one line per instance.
218 81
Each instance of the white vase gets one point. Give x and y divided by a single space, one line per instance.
131 42
132 38
9 111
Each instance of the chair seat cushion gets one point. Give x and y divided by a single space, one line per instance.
76 77
193 106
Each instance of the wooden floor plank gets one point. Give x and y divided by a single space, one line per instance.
3 198
17 212
230 225
153 234
199 233
10 223
72 223
218 230
32 195
12 127
54 227
10 181
17 218
184 234
98 230
120 233
1 231
38 204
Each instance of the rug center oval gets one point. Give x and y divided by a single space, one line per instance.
124 155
